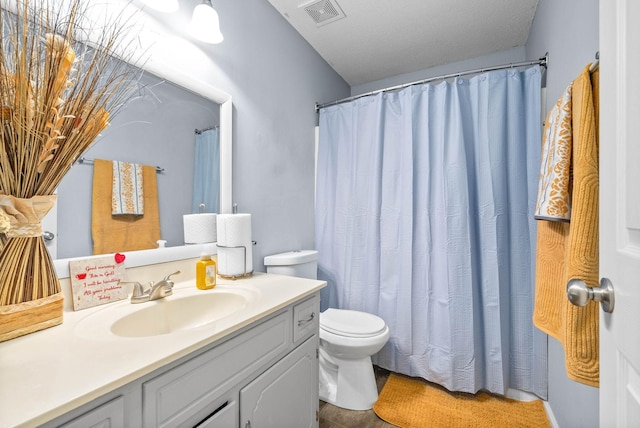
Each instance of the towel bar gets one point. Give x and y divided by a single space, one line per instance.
89 161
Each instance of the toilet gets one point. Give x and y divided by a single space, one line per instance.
348 339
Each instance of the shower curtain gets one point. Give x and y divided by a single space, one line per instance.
206 171
424 217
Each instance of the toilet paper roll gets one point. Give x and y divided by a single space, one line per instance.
199 228
234 238
234 229
231 261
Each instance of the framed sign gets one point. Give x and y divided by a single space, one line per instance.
96 281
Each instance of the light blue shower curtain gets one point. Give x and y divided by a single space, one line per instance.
424 217
206 171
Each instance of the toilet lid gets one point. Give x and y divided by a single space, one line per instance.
344 322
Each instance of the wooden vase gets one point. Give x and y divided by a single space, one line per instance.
28 317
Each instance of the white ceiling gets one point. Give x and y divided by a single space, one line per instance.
377 39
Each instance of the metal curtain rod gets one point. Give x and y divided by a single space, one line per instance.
89 161
541 61
200 131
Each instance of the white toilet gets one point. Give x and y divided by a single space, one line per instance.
348 339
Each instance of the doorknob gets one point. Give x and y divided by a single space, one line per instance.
579 294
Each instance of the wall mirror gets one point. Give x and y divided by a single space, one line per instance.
190 97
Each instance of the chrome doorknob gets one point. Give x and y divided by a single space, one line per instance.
579 294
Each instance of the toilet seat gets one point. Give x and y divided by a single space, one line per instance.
348 323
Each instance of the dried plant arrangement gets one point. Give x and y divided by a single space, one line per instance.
57 93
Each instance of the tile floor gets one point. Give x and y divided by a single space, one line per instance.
335 417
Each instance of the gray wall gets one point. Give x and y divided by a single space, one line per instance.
275 78
502 57
568 30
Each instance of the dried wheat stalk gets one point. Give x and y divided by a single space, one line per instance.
56 96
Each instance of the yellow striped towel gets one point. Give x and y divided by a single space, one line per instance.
554 187
127 196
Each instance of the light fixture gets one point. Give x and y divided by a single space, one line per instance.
167 6
205 24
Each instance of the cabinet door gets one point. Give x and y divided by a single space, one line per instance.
108 415
286 395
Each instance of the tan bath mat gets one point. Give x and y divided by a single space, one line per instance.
414 403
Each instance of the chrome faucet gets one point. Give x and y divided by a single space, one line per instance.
159 290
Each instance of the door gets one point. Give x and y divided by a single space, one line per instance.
286 395
50 231
107 415
620 211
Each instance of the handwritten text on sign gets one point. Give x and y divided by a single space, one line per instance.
96 281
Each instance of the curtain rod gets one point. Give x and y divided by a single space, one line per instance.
200 131
89 161
541 61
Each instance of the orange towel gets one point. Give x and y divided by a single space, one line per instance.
570 250
120 233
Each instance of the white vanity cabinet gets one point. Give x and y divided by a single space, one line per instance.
263 375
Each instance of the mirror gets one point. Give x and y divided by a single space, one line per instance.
155 127
163 70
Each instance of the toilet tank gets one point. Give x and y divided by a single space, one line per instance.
301 263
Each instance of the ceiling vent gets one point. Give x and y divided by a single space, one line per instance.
323 11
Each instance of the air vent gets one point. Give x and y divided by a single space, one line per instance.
324 11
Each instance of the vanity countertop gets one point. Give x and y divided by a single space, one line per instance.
48 373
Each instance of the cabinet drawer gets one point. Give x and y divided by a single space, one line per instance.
186 394
306 318
222 418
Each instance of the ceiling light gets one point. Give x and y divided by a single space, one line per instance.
205 24
167 6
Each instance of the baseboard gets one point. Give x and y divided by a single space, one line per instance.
552 419
516 394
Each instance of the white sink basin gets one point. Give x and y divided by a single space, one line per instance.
167 315
185 310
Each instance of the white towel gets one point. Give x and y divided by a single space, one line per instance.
127 195
554 188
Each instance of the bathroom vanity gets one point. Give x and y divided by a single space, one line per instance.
252 364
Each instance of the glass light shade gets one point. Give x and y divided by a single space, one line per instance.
205 24
167 6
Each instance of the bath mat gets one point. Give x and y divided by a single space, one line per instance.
414 403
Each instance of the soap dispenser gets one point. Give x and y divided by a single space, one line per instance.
206 271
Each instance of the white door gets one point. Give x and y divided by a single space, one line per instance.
620 211
50 231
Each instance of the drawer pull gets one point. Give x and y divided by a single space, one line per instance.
308 320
